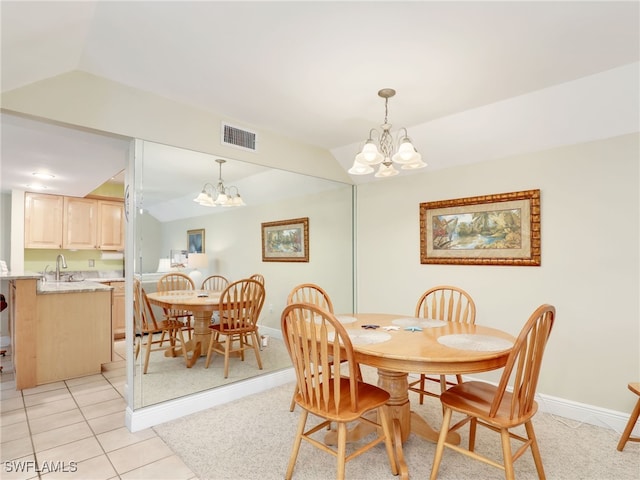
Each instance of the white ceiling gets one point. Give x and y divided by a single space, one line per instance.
475 80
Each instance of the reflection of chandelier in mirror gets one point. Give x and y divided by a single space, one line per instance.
406 156
211 196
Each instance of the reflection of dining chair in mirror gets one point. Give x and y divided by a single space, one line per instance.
315 295
177 281
238 311
147 328
503 407
329 393
216 283
450 304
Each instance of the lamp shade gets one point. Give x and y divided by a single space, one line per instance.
198 260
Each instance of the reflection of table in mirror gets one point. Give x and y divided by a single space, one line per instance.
202 308
406 351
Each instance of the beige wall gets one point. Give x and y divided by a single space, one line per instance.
590 265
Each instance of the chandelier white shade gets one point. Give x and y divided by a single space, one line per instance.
219 195
382 153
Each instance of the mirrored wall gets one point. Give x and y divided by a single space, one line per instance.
167 180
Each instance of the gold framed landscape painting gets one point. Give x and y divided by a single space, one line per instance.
286 240
499 229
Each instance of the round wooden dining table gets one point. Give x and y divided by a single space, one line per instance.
398 345
202 303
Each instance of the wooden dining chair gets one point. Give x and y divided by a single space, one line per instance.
238 311
626 434
177 281
215 283
258 278
503 407
147 328
451 304
315 295
316 348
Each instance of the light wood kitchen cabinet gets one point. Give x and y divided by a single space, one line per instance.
43 221
55 221
58 332
117 310
110 225
23 324
72 335
80 223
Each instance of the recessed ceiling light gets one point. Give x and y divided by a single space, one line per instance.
43 175
36 186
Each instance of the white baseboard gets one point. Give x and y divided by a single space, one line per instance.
579 412
583 413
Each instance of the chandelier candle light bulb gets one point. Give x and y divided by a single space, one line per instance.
407 156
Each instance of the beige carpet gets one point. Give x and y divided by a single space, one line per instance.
251 439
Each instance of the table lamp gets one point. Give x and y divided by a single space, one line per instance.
197 261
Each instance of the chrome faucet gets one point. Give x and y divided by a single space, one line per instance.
64 265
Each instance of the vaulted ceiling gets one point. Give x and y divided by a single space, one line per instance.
474 80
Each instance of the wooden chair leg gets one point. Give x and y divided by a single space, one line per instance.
506 454
147 352
535 450
444 429
342 449
422 379
227 353
626 435
296 444
210 349
292 406
254 341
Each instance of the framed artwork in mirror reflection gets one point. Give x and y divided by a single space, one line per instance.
286 240
195 241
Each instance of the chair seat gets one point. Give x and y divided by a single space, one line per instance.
233 331
476 398
369 396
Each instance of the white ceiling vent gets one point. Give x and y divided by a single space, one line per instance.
236 137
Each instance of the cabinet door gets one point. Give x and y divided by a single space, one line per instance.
43 221
111 225
117 310
80 223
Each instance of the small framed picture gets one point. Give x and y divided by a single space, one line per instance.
195 241
286 240
178 258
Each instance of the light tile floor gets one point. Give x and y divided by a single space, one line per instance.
75 429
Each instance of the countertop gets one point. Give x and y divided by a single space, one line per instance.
71 287
94 284
19 275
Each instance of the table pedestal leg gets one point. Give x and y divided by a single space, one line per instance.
399 408
199 342
397 385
